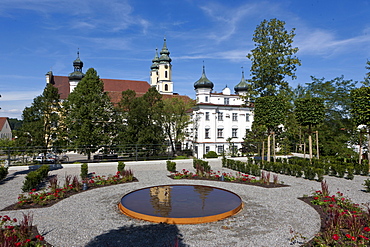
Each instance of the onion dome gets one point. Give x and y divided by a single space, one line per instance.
203 82
77 73
155 61
165 54
243 86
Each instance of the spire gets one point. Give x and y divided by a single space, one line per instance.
165 54
203 82
77 65
242 86
155 60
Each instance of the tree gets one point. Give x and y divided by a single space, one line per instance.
142 117
88 115
272 58
361 109
41 120
309 112
175 119
270 112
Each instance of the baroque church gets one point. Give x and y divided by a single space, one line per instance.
219 120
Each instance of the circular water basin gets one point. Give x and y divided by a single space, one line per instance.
180 204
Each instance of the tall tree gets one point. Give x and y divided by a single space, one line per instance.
272 58
175 119
88 115
270 112
41 120
309 112
142 118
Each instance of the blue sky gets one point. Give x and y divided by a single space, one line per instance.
119 37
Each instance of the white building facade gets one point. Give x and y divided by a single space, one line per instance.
219 120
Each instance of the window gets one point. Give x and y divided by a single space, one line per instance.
165 74
220 133
207 133
220 149
247 117
206 98
220 116
165 87
207 149
234 133
207 116
226 101
235 116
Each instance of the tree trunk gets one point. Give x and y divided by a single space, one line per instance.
317 144
268 148
360 149
310 145
263 150
273 146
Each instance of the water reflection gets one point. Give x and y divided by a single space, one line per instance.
160 198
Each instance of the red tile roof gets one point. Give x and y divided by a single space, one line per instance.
112 86
2 122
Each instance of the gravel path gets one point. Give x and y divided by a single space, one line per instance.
271 217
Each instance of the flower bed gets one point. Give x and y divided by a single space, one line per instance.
263 181
344 223
22 234
72 185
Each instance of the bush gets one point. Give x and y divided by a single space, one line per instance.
171 166
320 174
84 171
121 166
350 171
3 172
211 154
367 185
34 178
200 163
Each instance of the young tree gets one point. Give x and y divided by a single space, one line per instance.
88 115
361 109
272 58
41 120
175 119
270 112
309 112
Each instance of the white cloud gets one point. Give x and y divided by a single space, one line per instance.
18 95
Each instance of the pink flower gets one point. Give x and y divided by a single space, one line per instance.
362 236
367 229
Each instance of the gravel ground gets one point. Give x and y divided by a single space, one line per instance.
271 217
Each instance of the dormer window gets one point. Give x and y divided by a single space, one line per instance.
206 98
226 101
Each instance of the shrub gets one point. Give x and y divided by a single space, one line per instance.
350 171
121 166
171 166
200 163
211 154
367 185
320 174
3 172
34 178
84 171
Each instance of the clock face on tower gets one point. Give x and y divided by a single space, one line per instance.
166 66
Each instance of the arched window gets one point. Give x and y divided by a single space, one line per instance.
165 74
165 87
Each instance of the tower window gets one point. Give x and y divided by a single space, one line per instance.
206 98
165 74
247 117
166 87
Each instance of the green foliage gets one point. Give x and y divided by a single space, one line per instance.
175 119
171 166
269 111
142 117
3 172
361 106
84 171
41 120
211 154
34 178
89 115
273 57
121 166
197 163
367 185
309 111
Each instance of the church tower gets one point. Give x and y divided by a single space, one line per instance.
76 76
161 71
